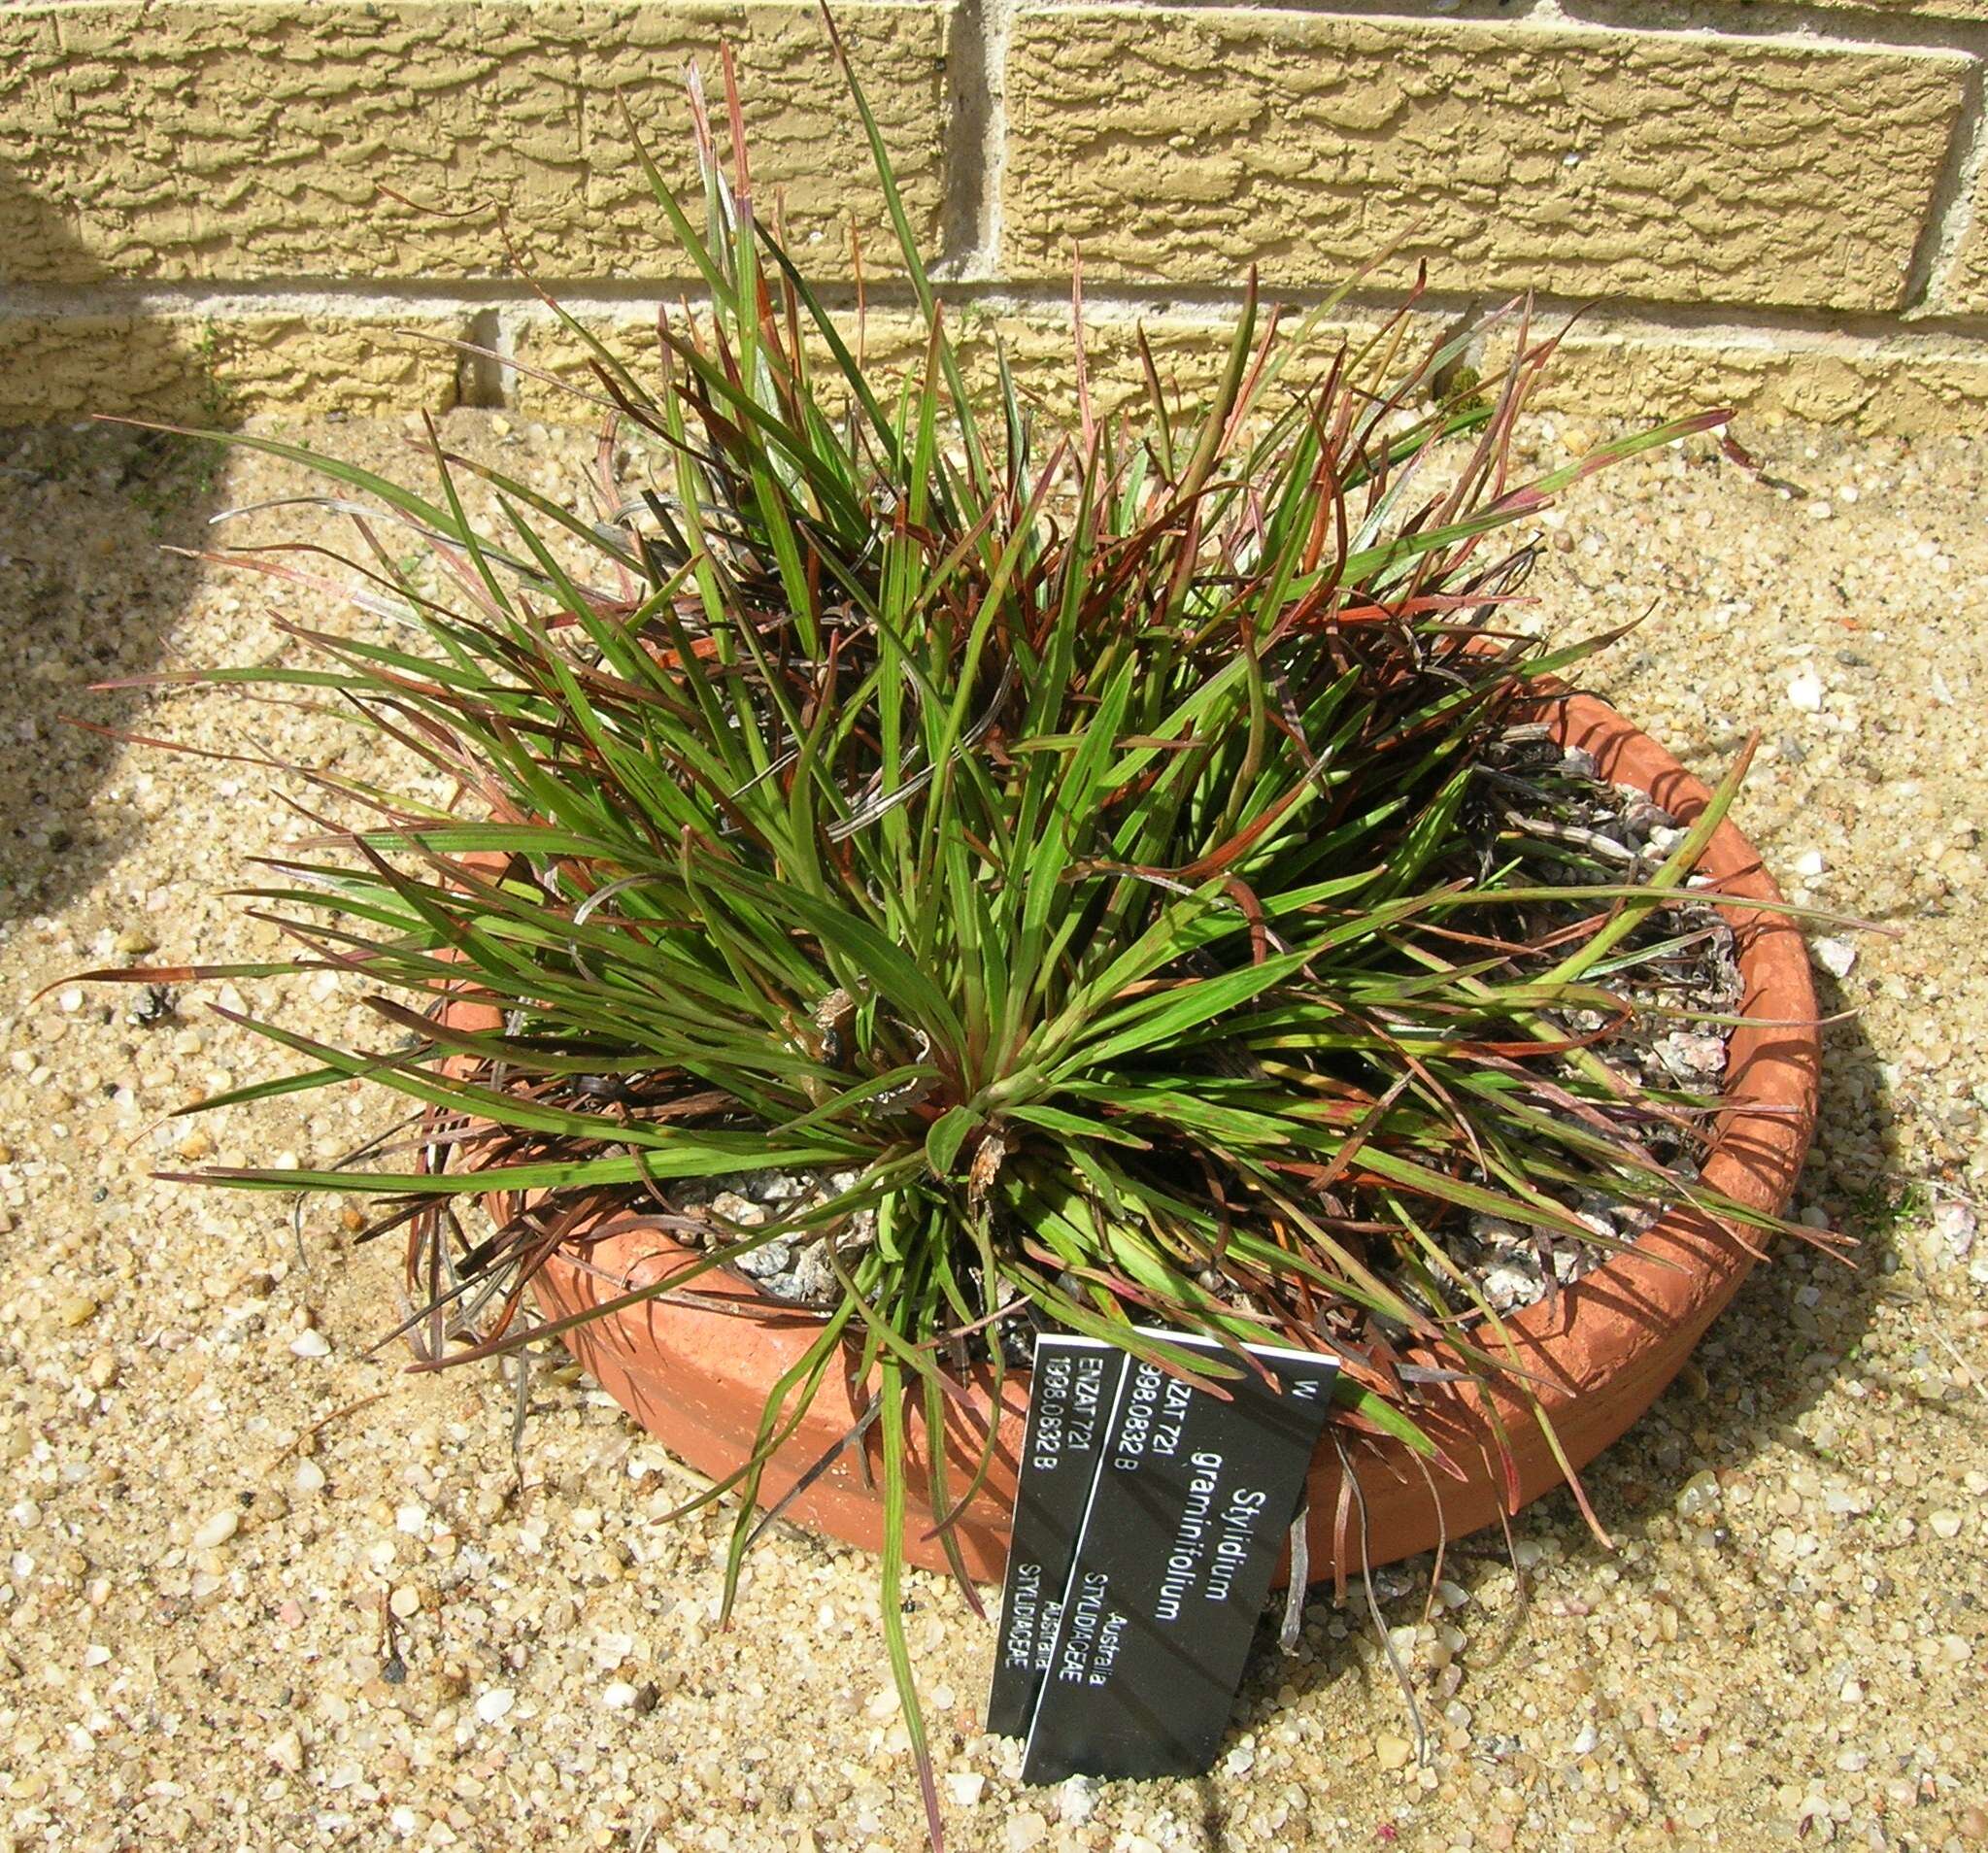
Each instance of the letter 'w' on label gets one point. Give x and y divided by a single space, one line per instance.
1194 1499
1071 1393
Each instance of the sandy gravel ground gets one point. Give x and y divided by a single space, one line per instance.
262 1590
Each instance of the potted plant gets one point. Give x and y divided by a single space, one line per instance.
921 876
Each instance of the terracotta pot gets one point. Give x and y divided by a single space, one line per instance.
696 1378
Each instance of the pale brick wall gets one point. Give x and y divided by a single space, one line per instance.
1779 206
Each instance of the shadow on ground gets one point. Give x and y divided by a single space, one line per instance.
90 589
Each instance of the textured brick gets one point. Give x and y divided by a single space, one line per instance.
1625 369
204 368
1040 352
891 342
1961 288
1904 386
256 360
248 358
248 140
1184 146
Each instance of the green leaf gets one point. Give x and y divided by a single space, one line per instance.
948 1133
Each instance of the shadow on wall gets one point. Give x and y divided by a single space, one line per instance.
87 590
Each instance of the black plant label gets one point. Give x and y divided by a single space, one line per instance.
1189 1505
1071 1393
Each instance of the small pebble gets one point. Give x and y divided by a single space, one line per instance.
1809 864
309 1478
217 1529
1392 1752
965 1787
405 1601
619 1696
79 1310
1946 1524
1699 1495
1076 1801
311 1343
740 1211
1806 692
1835 956
495 1703
1026 1828
1955 1224
1510 1283
770 1259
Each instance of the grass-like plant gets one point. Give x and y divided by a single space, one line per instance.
1078 841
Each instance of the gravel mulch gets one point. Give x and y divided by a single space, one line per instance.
261 1589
